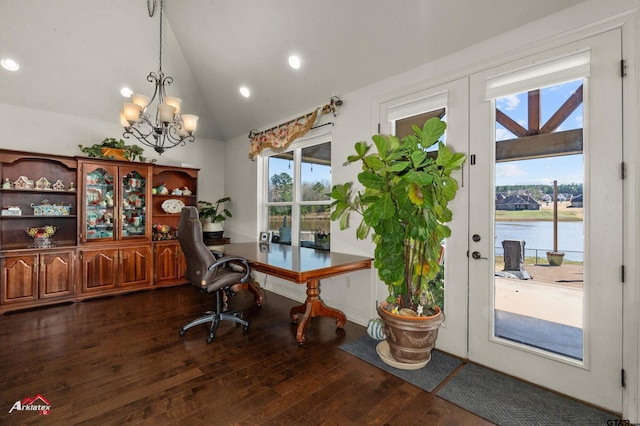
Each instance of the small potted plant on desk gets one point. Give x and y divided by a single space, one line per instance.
212 216
404 204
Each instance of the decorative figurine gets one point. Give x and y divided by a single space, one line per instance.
58 186
6 184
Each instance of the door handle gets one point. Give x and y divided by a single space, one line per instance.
477 255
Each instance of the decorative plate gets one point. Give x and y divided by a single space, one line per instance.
94 196
172 206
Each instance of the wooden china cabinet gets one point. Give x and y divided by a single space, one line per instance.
75 227
115 226
38 229
174 187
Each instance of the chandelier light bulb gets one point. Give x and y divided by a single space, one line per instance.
141 100
190 122
123 120
131 112
166 113
174 102
244 91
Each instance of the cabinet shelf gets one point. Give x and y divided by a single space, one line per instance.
31 216
38 191
173 196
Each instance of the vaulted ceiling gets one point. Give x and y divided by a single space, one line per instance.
75 55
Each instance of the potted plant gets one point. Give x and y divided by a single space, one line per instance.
212 216
114 149
404 207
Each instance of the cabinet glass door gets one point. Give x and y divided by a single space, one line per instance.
99 203
134 204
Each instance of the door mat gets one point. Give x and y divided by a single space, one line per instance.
427 378
507 401
558 338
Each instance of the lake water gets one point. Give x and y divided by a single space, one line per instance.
539 235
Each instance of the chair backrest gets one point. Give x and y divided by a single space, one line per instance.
197 255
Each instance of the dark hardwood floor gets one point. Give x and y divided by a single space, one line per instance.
120 360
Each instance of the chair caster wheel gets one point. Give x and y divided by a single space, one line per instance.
183 333
245 328
210 339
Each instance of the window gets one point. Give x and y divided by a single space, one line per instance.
297 194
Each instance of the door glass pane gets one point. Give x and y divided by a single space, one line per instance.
539 232
404 127
133 204
99 204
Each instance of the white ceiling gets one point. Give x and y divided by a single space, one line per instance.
75 55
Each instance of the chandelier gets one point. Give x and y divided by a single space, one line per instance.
168 128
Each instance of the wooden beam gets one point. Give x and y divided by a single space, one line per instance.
537 146
534 112
510 124
570 105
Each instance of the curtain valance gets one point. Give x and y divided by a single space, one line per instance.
280 137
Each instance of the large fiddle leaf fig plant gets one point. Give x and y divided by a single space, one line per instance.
404 203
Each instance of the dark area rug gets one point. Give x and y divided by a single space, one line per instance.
427 378
506 401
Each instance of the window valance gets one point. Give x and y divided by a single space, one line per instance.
278 138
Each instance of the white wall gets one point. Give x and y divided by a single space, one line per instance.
33 130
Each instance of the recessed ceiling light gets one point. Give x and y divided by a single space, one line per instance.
244 91
294 61
126 92
9 64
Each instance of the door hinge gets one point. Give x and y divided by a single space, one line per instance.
623 68
623 382
623 170
472 159
378 127
623 272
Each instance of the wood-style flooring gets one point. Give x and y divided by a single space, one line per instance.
120 360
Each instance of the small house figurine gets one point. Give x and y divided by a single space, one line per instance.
58 186
23 182
43 183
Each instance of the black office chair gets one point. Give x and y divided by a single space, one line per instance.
210 271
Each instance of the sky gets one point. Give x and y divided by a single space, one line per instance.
564 169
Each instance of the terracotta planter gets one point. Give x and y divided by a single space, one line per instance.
410 339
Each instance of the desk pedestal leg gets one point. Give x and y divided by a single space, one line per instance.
313 307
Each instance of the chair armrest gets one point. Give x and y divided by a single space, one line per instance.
233 260
218 254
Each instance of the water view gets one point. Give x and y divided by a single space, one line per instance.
538 236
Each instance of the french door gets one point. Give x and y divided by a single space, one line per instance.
556 326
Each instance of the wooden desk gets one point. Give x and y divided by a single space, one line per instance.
302 266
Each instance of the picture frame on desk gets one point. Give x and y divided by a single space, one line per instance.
265 237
